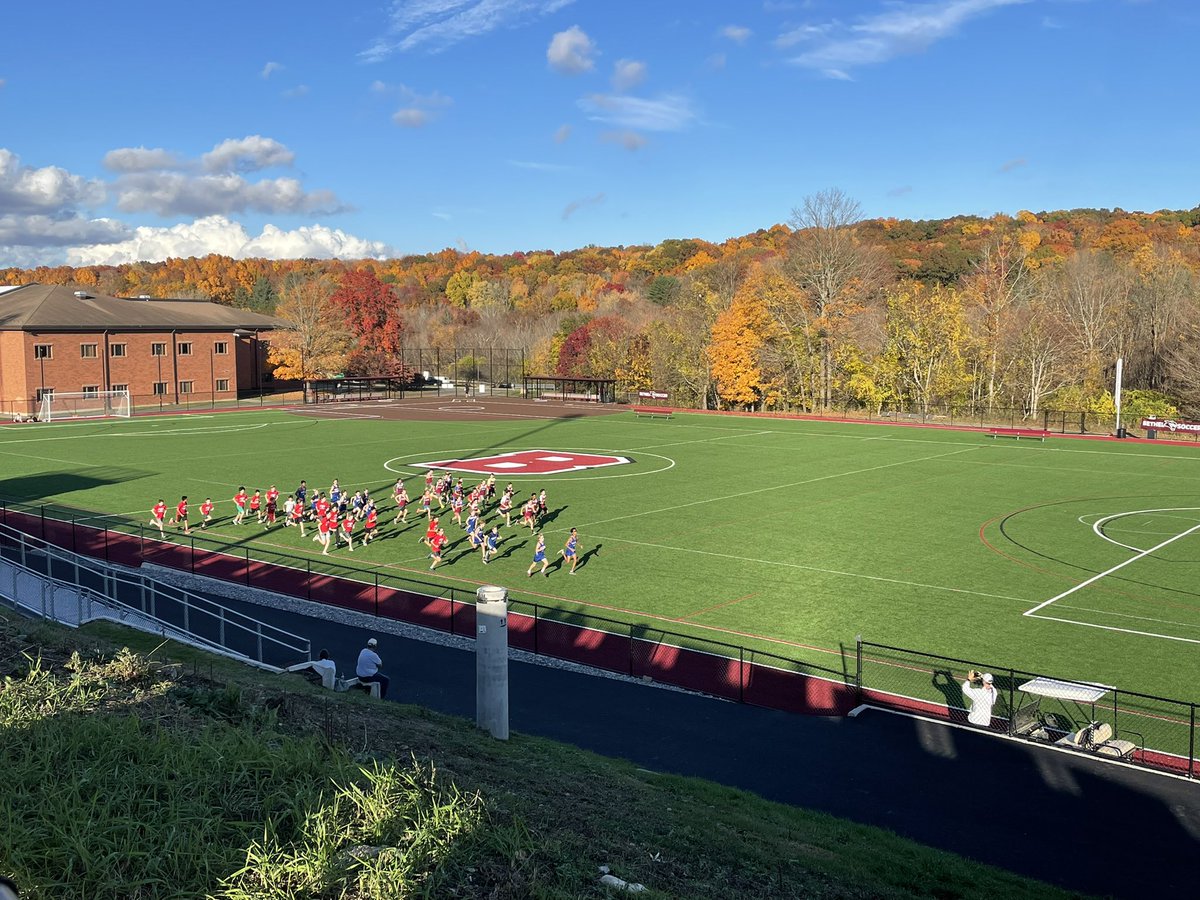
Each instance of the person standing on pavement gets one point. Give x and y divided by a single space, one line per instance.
369 665
979 690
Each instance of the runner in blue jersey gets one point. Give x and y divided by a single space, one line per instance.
570 553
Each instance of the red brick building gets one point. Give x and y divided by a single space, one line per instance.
55 338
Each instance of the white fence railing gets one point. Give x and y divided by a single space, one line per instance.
65 587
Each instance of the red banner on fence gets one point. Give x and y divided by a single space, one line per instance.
1172 425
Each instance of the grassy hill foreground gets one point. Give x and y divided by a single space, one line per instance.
133 768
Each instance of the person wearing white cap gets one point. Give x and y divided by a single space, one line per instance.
978 688
369 665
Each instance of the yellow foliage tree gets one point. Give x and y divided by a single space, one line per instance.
737 336
318 342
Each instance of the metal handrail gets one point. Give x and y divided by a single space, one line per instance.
150 590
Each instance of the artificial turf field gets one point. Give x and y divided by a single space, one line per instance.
794 535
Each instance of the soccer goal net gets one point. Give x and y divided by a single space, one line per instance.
87 405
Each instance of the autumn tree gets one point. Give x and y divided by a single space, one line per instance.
738 335
1090 291
999 282
926 339
370 311
317 342
835 268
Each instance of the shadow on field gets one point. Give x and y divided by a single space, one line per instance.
28 488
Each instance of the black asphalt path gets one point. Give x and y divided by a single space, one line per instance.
1088 826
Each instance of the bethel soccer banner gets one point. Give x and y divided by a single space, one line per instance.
652 395
1171 425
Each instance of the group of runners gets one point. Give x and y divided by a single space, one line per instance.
339 515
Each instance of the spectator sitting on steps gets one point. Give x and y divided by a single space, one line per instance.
324 664
369 665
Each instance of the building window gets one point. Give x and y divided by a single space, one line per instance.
87 351
120 387
221 348
116 350
160 388
43 351
184 348
185 387
222 384
44 392
91 390
158 349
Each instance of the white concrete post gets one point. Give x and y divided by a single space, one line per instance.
491 661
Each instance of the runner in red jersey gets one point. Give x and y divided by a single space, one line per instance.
322 535
348 530
239 503
506 507
401 506
436 543
181 509
369 524
157 512
268 518
206 510
430 530
256 505
529 514
273 494
298 517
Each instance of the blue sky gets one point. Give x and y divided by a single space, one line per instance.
141 130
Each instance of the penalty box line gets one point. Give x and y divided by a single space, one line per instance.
1142 555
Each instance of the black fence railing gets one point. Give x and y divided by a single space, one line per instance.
1145 729
1162 731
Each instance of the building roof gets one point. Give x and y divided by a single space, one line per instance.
52 307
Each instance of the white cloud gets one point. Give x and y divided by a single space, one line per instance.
716 62
271 68
300 90
571 51
248 154
217 234
3 82
630 140
140 159
563 132
628 74
47 190
903 29
439 24
739 34
57 231
669 112
410 117
575 205
178 193
1011 164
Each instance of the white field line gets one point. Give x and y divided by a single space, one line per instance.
1104 520
791 565
778 487
336 413
204 429
1105 612
1013 448
1108 572
1153 634
44 426
724 437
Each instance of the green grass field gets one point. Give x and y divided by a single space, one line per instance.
793 535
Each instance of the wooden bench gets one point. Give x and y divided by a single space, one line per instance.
653 412
1019 433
